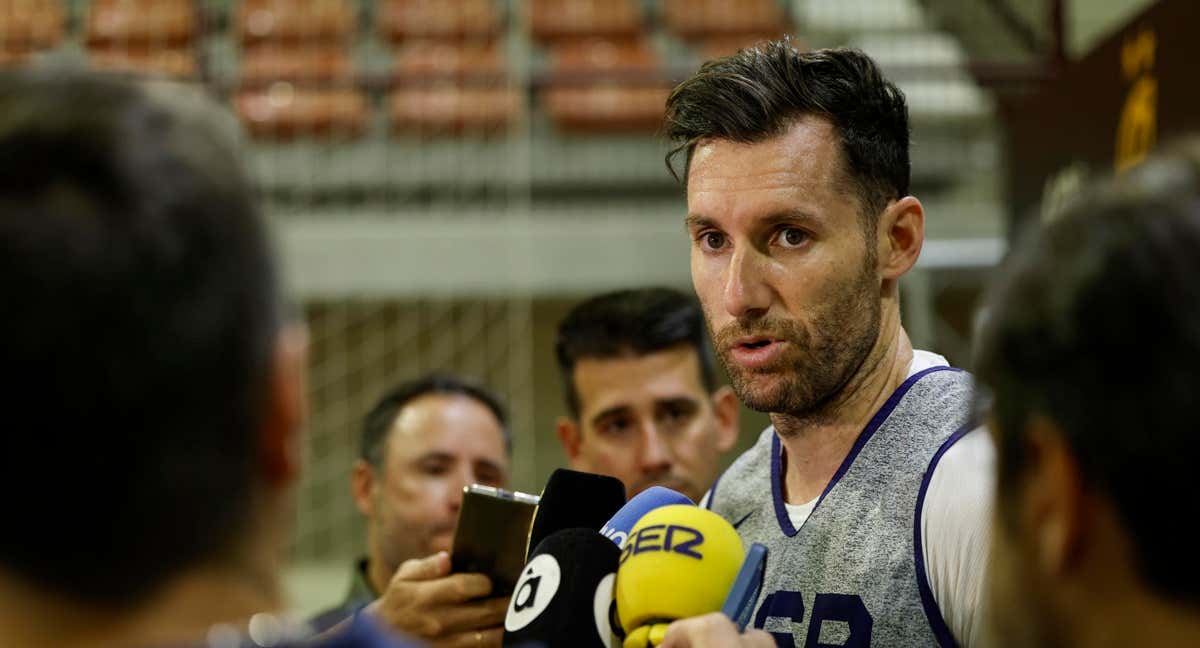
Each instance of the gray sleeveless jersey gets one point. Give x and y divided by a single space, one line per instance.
853 574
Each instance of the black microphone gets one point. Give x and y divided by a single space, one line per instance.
574 499
565 594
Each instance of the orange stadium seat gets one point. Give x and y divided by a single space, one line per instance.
558 19
399 20
143 36
297 77
176 62
318 64
435 59
294 21
692 19
28 26
284 110
145 24
607 108
451 108
10 59
603 56
600 85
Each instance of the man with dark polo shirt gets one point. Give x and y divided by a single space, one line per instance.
422 443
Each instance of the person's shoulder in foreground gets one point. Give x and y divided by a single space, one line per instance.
266 631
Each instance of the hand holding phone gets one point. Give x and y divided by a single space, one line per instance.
492 535
426 601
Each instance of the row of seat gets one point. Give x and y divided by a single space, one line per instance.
36 24
449 74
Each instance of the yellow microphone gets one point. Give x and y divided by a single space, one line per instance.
678 562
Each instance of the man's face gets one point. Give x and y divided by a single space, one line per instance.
782 263
648 420
437 445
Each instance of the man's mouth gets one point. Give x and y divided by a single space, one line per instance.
756 351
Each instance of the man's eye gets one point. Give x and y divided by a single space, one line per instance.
712 241
792 237
615 427
434 469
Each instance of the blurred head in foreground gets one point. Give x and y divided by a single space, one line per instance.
153 390
1091 350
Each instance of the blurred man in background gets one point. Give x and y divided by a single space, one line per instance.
1091 348
421 444
153 389
637 371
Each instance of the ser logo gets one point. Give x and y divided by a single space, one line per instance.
618 536
534 591
672 538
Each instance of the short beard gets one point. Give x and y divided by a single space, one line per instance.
821 360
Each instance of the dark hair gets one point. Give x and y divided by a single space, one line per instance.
140 316
638 322
1094 324
759 92
381 417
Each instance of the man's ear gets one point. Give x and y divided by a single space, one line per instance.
570 436
1052 498
362 487
286 407
900 236
727 411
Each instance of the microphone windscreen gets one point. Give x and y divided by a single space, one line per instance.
574 499
565 594
617 529
679 562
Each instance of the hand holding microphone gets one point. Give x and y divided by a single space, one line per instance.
713 630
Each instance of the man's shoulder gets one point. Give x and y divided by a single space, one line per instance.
961 484
755 458
363 631
955 515
358 631
326 619
358 595
939 396
744 475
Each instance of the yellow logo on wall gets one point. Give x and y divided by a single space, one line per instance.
1138 128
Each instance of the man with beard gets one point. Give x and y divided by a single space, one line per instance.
1091 349
867 491
421 444
639 381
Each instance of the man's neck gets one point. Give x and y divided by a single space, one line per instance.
815 445
378 575
181 613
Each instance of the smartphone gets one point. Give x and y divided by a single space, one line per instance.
492 535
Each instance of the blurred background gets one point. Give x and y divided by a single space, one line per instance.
448 177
